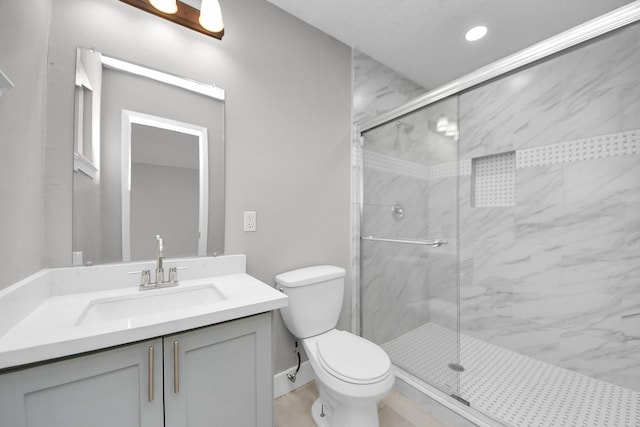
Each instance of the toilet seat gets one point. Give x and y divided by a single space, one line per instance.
351 358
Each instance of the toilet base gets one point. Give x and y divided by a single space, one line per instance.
361 417
316 411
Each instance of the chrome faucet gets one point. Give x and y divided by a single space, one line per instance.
145 278
160 259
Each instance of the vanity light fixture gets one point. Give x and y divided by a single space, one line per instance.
476 33
207 21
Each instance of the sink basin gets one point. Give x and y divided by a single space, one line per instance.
148 302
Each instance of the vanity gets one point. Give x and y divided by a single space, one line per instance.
84 346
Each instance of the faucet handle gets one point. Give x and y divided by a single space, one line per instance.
136 272
173 274
145 277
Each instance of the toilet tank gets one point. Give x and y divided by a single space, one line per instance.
315 299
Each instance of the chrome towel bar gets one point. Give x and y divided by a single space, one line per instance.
435 243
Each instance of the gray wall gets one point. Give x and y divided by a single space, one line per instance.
23 58
288 114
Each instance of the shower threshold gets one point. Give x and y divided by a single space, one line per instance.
508 386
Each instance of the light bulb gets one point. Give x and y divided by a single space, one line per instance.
211 16
166 6
442 124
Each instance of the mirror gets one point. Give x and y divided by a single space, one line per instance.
148 159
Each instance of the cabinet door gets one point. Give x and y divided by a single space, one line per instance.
105 389
220 375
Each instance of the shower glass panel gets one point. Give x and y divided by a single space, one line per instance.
549 235
409 247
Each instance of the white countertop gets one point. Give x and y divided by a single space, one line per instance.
50 330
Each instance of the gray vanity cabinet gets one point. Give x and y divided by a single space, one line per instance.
104 389
219 375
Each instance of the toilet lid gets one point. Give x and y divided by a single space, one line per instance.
352 358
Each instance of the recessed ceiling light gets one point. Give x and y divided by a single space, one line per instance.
476 33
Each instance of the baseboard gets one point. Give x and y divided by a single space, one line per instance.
282 385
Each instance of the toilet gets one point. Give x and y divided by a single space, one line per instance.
352 374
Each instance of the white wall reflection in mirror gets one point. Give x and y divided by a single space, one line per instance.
149 159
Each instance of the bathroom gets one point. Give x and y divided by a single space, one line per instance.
289 100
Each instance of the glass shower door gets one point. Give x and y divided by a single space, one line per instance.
409 246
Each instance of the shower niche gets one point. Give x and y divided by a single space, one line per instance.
493 180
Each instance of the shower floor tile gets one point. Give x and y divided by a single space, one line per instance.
516 389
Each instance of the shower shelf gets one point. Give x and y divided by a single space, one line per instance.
435 243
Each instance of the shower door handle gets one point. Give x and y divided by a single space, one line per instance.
434 243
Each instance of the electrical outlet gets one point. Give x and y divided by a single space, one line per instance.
249 221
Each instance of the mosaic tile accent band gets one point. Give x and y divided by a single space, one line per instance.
597 147
394 165
385 163
449 170
514 388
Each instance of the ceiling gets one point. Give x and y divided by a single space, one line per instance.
423 40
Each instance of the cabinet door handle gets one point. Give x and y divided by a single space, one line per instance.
176 369
151 373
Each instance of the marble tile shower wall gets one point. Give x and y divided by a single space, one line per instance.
376 90
556 275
